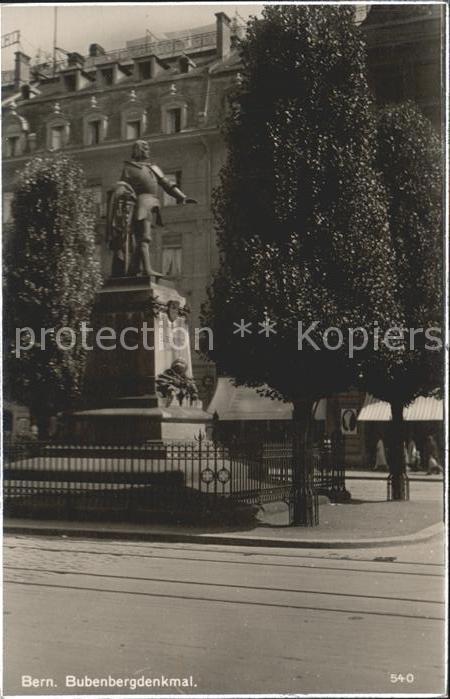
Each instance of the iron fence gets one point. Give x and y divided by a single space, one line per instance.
161 475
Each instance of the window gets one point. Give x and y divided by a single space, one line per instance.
108 76
172 253
173 178
174 120
97 195
7 216
57 129
94 131
70 82
95 125
174 112
145 70
133 130
171 261
133 118
15 132
57 137
12 146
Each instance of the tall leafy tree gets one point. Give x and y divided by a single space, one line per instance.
52 274
410 159
301 217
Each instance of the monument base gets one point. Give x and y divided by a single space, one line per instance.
121 425
122 405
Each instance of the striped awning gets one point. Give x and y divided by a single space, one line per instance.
243 403
421 409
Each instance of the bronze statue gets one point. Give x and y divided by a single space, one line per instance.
134 203
173 383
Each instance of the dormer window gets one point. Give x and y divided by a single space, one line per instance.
145 70
109 73
74 77
70 82
108 76
148 66
185 64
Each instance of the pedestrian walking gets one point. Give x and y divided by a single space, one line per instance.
433 461
380 456
413 460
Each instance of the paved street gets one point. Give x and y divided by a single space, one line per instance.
236 619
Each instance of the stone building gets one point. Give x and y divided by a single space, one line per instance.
174 93
405 49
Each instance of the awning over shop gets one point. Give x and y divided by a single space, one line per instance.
421 409
242 403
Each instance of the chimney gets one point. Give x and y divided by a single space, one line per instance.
75 60
22 70
223 35
96 50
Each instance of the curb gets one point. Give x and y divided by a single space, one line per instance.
224 539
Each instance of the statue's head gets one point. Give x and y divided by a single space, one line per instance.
141 150
180 366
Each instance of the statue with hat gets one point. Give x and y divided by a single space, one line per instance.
133 208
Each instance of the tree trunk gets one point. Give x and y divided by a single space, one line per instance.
397 465
305 508
42 420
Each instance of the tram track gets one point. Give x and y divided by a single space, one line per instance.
247 562
221 585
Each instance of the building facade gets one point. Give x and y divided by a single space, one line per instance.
174 94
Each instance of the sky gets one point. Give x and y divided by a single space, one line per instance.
109 25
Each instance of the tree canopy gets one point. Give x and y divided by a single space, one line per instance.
52 274
301 212
409 156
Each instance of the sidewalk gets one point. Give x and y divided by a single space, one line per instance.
349 525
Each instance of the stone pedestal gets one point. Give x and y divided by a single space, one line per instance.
139 329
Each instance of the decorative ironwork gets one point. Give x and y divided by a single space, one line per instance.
245 473
224 475
207 475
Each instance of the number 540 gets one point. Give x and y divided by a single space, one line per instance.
398 677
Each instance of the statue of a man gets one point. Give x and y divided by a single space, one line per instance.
133 206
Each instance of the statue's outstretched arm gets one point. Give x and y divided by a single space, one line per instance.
170 187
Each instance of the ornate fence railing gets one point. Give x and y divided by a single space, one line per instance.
163 474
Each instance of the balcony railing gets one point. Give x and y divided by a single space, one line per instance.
163 49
